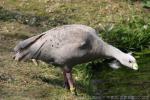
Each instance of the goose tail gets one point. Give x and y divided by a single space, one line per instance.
22 49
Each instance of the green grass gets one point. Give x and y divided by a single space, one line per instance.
123 24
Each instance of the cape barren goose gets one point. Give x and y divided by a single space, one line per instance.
67 46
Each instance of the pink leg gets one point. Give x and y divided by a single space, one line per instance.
66 84
70 80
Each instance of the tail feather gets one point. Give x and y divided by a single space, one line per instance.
21 55
22 50
27 43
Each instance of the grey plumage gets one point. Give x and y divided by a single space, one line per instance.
69 45
65 45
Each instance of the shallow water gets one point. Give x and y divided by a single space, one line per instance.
122 82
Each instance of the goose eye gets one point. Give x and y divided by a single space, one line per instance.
130 61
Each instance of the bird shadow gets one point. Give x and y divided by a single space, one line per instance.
54 82
81 88
60 83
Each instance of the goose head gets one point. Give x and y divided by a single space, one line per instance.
129 61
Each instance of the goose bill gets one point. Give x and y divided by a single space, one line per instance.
135 66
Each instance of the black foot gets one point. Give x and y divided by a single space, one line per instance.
66 85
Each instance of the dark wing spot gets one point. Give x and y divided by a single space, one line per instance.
86 44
